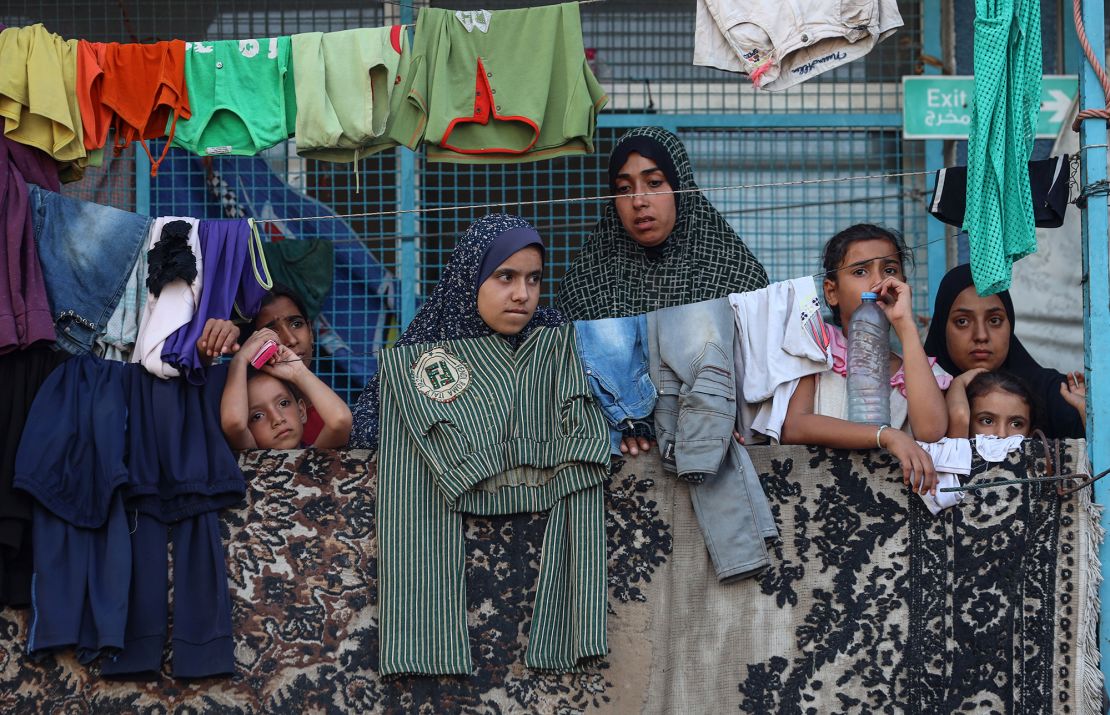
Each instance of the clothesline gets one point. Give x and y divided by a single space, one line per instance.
819 275
419 7
908 195
583 199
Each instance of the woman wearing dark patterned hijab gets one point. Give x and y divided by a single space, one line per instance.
491 285
655 250
970 331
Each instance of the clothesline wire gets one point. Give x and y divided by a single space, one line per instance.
384 237
421 7
584 199
820 275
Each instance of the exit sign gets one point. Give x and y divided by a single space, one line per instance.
939 106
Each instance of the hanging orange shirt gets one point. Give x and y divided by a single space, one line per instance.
145 85
95 116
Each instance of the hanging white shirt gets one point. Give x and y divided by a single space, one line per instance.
171 309
780 338
951 458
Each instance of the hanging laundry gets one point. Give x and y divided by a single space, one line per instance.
780 338
615 355
784 43
307 266
24 371
691 359
46 117
24 304
118 340
144 87
87 252
95 117
1048 185
472 426
951 458
112 456
344 83
242 95
1006 104
499 87
174 281
235 278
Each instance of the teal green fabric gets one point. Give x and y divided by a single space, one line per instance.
242 96
999 216
499 87
473 426
305 266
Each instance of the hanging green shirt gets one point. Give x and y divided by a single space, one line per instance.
999 215
499 87
344 83
242 96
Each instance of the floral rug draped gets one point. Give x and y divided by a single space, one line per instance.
871 605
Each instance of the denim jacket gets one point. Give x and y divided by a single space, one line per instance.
615 355
87 253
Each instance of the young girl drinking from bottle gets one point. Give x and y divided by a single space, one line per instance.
992 402
865 258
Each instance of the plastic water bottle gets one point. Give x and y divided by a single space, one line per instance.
869 364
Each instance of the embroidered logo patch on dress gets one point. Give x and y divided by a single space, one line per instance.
471 19
440 375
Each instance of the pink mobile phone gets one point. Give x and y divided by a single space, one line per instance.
267 351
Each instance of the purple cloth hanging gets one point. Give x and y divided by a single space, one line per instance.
229 283
25 315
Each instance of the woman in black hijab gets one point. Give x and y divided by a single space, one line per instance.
654 248
970 331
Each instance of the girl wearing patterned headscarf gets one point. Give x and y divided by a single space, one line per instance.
491 285
654 248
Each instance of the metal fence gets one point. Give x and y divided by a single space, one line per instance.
845 123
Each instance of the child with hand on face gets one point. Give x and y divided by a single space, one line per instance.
265 408
990 402
868 258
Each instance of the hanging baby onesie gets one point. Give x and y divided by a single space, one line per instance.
499 87
999 215
781 43
344 82
242 96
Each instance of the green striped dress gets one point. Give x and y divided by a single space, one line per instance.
472 426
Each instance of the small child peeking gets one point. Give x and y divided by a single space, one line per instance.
869 258
991 402
264 408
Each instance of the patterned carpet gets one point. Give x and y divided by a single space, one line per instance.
871 605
